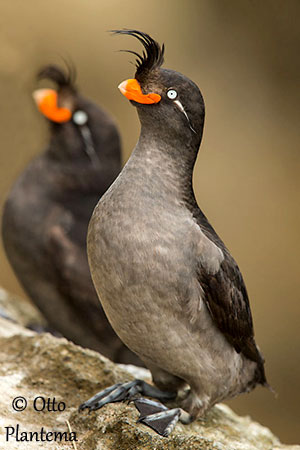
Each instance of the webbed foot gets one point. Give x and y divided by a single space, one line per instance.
122 392
158 417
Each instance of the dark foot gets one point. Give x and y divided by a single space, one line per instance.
157 416
122 392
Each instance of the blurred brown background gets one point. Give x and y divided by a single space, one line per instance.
244 55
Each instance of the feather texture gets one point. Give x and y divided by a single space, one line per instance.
226 298
151 58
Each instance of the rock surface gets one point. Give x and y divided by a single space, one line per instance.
41 366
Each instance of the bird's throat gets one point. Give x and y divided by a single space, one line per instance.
164 166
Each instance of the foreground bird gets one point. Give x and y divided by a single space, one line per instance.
46 215
169 286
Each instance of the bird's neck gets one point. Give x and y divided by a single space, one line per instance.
167 164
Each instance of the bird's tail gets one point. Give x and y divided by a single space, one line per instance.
260 376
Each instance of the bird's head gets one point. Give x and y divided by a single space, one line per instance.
165 99
57 105
79 127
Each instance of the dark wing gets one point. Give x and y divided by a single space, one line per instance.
227 301
226 296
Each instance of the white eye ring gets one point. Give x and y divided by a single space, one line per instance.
172 94
80 117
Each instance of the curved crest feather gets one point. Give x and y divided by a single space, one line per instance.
63 78
151 58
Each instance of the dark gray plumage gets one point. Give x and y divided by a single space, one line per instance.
46 215
169 286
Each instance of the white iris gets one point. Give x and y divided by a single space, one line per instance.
80 117
171 94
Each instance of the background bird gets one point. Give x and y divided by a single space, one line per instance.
47 211
167 283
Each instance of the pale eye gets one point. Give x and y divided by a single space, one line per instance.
80 117
171 94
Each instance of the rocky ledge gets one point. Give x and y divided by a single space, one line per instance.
43 379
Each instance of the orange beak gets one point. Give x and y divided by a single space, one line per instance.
46 100
132 90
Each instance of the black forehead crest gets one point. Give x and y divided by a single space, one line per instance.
64 78
152 57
